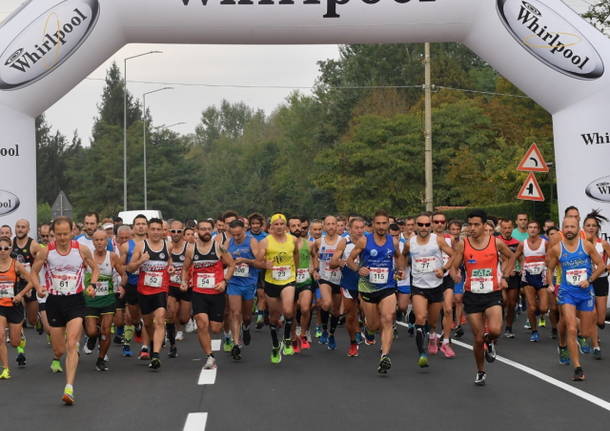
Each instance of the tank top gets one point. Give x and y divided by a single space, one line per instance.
325 254
575 268
208 270
104 289
425 259
24 256
600 249
534 260
349 277
65 273
303 274
481 267
407 280
282 256
175 279
244 274
8 279
153 277
379 259
513 245
132 277
449 240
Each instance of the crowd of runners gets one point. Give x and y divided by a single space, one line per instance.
144 285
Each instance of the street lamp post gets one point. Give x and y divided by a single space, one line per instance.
144 126
125 122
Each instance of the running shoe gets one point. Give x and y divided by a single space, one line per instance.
410 329
38 326
89 346
173 352
179 336
369 339
5 374
535 337
323 339
332 343
432 344
490 351
384 364
126 351
305 343
287 349
296 345
358 337
447 351
422 361
117 339
56 366
508 333
68 397
597 353
579 375
353 350
155 364
227 346
480 378
564 355
100 365
20 360
144 355
318 332
308 335
542 321
246 337
276 355
583 345
260 322
236 353
190 326
459 332
210 363
527 324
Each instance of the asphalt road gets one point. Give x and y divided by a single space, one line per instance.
320 389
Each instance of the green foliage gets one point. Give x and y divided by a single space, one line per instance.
537 210
44 213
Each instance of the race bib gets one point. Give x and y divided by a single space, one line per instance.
379 275
334 276
176 277
534 268
281 273
153 279
206 280
576 276
102 288
424 264
64 284
482 281
7 290
303 275
242 270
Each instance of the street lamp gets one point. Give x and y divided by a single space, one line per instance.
125 123
144 122
163 126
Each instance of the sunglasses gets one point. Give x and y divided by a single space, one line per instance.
424 224
439 221
176 231
5 248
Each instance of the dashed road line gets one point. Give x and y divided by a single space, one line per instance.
195 422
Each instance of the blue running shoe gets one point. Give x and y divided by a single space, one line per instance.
583 345
332 344
564 355
126 352
323 338
359 339
535 337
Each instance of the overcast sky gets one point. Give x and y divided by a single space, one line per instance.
208 64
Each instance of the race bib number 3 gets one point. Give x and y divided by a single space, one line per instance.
576 276
424 264
379 275
281 273
303 275
7 290
206 280
153 279
242 270
482 281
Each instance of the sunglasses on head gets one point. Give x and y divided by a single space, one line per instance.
4 248
176 231
424 224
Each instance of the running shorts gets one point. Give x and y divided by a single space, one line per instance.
274 290
377 296
180 295
334 288
432 295
581 301
131 294
97 312
246 292
212 305
600 286
62 309
149 303
479 302
14 315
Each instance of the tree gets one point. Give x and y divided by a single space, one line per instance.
598 15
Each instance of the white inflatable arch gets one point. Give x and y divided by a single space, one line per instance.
542 46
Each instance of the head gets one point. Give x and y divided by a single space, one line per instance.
45 230
341 224
246 223
455 227
109 229
572 211
100 240
548 224
490 227
256 221
409 226
62 230
423 225
22 228
117 221
77 229
155 230
189 235
476 223
552 233
506 228
176 231
570 228
521 220
228 217
294 226
356 228
278 224
204 230
237 229
381 222
165 228
394 230
304 227
439 222
316 229
123 234
330 225
533 228
219 226
90 223
6 231
6 246
592 223
140 225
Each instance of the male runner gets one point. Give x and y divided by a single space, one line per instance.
303 288
257 222
178 302
520 232
511 293
123 235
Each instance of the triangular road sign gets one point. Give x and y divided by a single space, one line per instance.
533 161
530 190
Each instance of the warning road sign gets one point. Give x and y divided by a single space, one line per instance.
533 161
530 190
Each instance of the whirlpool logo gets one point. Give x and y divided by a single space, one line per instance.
46 42
9 202
599 189
550 38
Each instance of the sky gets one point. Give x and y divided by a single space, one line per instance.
286 66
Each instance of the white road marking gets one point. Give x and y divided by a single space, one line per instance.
207 377
195 422
551 380
216 345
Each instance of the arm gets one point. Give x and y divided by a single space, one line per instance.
137 258
227 259
401 261
335 261
260 257
315 262
510 264
448 251
41 258
457 259
21 272
115 260
295 252
95 270
351 260
597 261
552 259
188 261
606 247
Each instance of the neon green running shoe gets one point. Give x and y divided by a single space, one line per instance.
276 356
288 350
227 345
6 374
68 397
56 366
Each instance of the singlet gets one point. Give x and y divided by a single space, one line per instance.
575 268
153 277
513 245
379 259
600 249
303 274
8 279
244 274
104 289
207 270
518 235
132 277
325 254
349 277
405 282
534 260
449 240
87 241
175 279
425 260
23 255
481 267
259 236
65 274
282 256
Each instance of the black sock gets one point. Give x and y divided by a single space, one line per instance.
412 317
297 317
419 338
287 328
334 321
324 317
509 329
155 355
274 339
171 333
400 315
91 342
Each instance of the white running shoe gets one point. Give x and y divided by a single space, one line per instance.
179 336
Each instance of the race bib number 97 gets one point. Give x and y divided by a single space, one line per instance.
576 276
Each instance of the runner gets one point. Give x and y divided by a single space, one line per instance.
377 285
455 228
206 258
90 225
6 231
576 258
65 261
303 289
520 232
151 257
280 254
257 222
123 236
479 253
11 307
511 294
178 302
101 307
427 289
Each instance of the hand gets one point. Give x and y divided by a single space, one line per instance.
121 292
90 291
504 283
221 286
400 275
18 298
584 284
316 275
42 292
184 286
551 289
342 263
268 264
171 269
456 276
364 271
145 257
439 272
239 261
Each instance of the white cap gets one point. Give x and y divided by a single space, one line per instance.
108 226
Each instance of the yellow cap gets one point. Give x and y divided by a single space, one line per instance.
278 216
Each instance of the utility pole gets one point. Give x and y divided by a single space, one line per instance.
428 129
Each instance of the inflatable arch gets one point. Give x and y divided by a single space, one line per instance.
542 46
